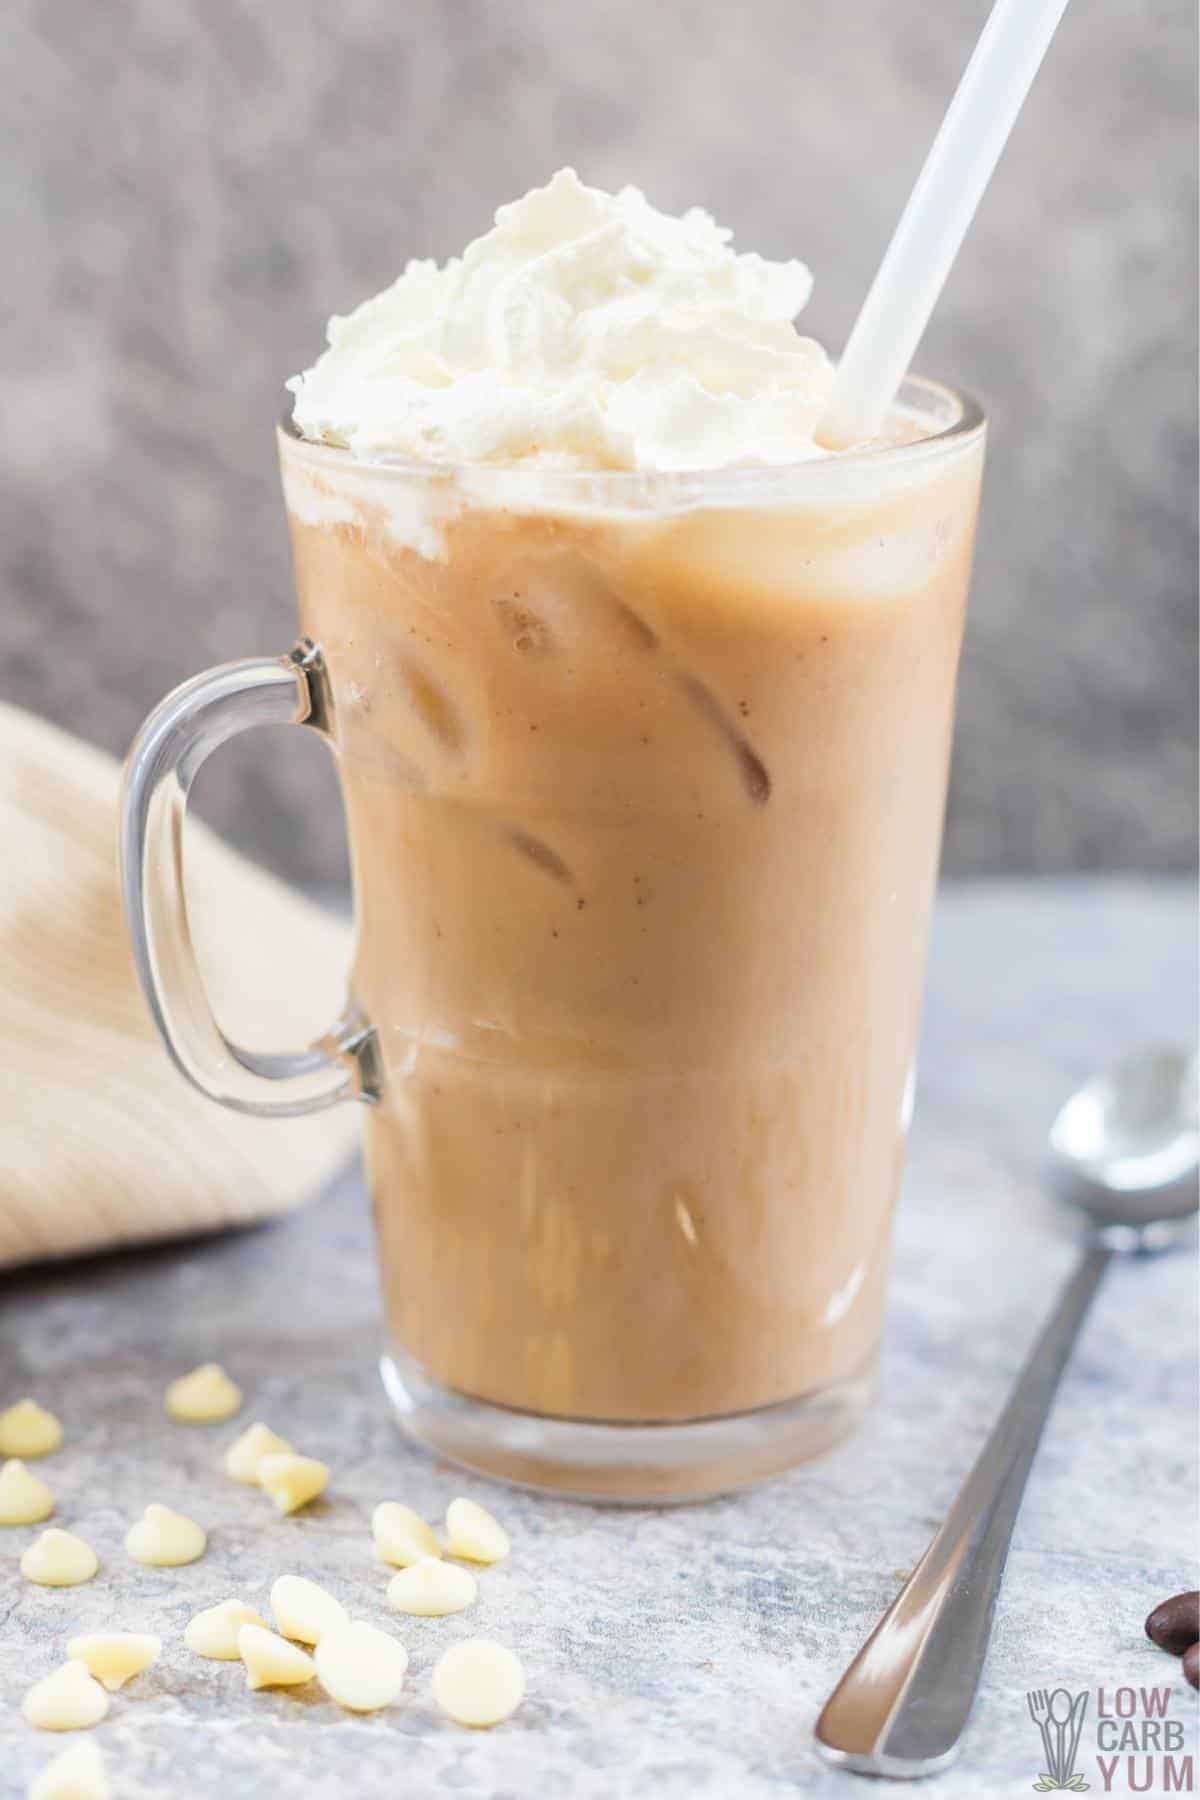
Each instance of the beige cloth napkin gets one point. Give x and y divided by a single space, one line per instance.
102 1142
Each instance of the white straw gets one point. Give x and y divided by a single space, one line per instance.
935 221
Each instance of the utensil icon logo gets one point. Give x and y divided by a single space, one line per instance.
1058 1715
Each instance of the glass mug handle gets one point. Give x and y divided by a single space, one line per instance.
178 737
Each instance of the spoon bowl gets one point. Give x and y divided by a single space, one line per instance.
1125 1148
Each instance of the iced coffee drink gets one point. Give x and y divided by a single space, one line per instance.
643 706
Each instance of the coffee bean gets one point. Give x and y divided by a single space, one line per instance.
1191 1664
1176 1623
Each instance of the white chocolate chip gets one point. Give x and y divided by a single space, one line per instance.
68 1700
292 1481
271 1661
165 1539
78 1774
401 1536
59 1559
472 1532
431 1588
28 1430
204 1396
113 1657
244 1456
214 1632
361 1667
24 1499
305 1611
478 1682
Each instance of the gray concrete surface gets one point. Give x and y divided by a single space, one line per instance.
671 1655
190 189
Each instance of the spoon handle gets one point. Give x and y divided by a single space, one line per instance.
900 1708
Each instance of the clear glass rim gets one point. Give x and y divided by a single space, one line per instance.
958 420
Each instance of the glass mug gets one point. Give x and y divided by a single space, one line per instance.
644 777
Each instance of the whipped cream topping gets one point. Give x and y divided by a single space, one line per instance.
585 330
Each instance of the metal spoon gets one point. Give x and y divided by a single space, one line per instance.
1125 1149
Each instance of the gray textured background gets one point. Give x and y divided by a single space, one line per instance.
191 186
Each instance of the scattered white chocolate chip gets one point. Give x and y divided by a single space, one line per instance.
245 1454
478 1682
292 1481
305 1611
361 1667
24 1499
472 1532
214 1632
78 1774
431 1588
401 1536
28 1430
165 1539
271 1661
68 1700
59 1559
204 1396
113 1657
